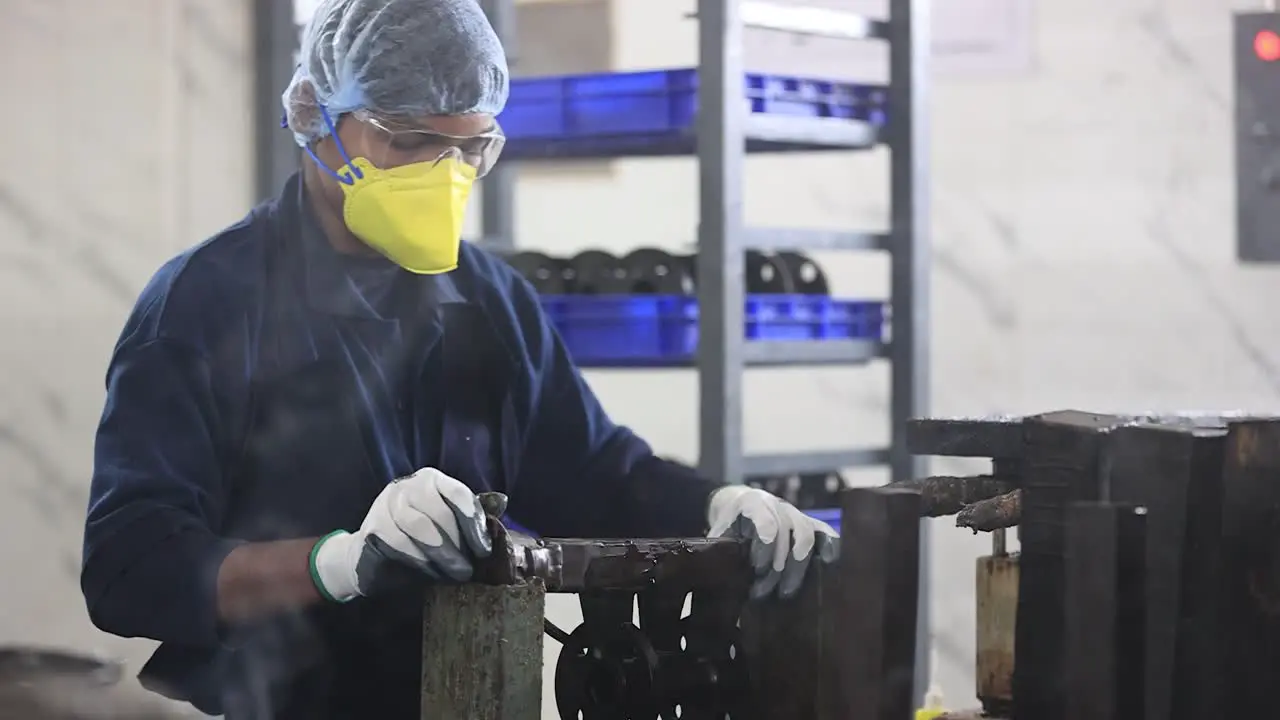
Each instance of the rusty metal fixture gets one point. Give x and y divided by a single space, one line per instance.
665 667
943 495
670 664
638 564
1212 484
997 513
997 608
516 558
573 565
699 650
1001 436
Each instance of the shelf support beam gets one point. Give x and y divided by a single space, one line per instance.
498 191
275 48
721 129
907 133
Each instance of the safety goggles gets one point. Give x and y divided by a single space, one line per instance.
479 151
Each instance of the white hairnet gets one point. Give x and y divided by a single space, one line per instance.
399 57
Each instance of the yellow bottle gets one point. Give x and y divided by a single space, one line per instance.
932 704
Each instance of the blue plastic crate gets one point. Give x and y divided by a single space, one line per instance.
656 330
638 111
829 516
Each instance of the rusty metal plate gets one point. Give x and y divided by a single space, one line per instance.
990 436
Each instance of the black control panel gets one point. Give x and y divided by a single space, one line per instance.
1257 131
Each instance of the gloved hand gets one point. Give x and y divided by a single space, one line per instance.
428 522
783 539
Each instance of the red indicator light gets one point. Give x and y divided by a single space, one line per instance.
1267 45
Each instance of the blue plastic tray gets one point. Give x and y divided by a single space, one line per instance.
829 516
656 330
653 112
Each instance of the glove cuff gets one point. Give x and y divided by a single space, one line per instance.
332 567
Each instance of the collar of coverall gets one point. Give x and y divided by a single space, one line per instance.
330 289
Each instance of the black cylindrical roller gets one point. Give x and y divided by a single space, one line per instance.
783 486
544 272
651 271
817 491
807 277
767 275
596 272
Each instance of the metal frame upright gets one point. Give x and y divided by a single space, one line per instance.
910 246
498 191
724 130
275 47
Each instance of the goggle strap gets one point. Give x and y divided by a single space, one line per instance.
354 173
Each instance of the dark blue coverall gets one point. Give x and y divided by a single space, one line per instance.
267 387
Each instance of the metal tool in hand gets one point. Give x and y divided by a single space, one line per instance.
516 558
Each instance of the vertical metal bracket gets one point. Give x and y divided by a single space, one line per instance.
275 47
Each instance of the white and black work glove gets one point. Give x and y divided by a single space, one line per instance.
427 522
783 539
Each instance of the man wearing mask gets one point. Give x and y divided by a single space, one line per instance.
301 410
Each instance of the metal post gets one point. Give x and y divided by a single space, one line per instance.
877 648
275 37
721 131
482 651
498 190
1066 458
1248 572
908 140
1105 620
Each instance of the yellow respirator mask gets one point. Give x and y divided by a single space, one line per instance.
412 213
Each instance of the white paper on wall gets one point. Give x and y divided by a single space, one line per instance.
983 37
972 39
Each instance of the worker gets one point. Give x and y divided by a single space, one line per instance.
301 410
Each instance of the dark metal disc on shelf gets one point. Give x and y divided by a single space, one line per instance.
764 274
595 272
806 276
786 487
650 271
767 275
544 272
818 491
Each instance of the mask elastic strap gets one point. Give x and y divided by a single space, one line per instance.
346 178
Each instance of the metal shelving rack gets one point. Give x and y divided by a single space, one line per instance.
723 129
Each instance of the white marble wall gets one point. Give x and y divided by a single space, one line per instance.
123 138
1082 225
